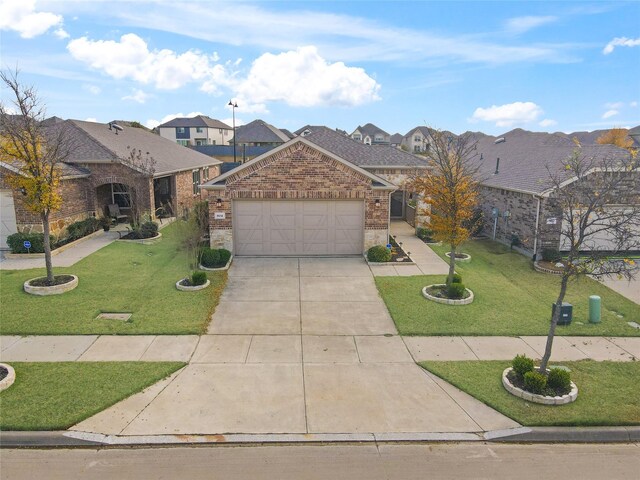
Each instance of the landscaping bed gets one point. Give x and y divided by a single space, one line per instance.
56 396
511 298
607 394
395 255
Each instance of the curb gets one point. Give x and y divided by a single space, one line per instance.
73 439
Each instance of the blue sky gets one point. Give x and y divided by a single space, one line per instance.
487 66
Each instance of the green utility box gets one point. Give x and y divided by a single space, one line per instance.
566 313
595 307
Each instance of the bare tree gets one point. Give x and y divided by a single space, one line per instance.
599 201
143 166
450 185
35 153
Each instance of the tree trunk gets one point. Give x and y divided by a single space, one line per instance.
554 322
452 265
47 247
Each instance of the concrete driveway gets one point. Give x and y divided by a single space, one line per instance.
299 346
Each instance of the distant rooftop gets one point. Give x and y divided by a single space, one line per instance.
197 121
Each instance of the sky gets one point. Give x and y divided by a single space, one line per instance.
480 66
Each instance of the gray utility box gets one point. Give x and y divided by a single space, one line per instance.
566 313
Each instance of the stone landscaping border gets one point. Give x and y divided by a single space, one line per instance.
447 301
184 288
7 381
541 269
226 267
387 264
52 290
56 251
535 398
466 258
143 241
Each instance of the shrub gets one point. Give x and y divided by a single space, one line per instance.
149 229
225 255
210 258
455 290
550 255
457 278
535 382
559 379
424 233
379 253
15 242
521 365
82 228
198 278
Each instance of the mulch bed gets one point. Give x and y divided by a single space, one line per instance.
186 282
136 236
57 280
441 292
3 373
516 381
398 255
550 266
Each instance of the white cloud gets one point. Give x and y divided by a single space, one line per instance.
633 104
20 16
614 105
547 122
229 121
610 113
61 33
302 78
508 114
152 123
131 58
90 119
620 42
93 89
523 24
137 96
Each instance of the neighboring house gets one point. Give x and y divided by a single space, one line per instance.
417 140
198 130
318 194
515 181
260 134
396 140
369 134
96 175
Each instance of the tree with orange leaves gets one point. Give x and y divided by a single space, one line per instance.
450 186
618 137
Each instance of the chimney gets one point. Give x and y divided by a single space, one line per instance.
497 166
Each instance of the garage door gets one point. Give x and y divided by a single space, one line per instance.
7 217
286 227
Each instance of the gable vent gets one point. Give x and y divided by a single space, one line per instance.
500 140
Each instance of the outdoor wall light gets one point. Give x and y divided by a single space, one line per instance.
219 202
377 203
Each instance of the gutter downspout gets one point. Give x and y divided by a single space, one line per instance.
535 236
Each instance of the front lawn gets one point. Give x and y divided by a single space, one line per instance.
121 277
55 396
607 392
511 298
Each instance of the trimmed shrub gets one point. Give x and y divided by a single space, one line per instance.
210 258
457 278
425 233
379 253
149 229
521 365
559 379
551 255
15 242
535 382
198 278
225 255
455 290
82 228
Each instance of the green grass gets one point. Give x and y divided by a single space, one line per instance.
607 392
55 396
122 277
511 298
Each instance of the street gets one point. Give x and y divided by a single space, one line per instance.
370 461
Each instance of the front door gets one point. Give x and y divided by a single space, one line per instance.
397 204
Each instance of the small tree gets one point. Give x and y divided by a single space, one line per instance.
143 166
34 152
191 230
597 198
451 187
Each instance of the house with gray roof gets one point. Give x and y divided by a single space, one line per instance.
113 164
198 130
369 134
259 133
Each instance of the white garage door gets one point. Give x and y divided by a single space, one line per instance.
288 227
7 217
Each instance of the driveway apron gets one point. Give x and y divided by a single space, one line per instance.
299 345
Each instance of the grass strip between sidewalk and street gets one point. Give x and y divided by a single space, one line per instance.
56 396
608 392
511 298
121 277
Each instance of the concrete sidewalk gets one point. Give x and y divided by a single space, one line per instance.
278 344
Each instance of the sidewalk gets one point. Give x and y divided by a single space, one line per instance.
241 349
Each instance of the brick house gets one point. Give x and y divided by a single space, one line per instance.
97 174
515 194
318 194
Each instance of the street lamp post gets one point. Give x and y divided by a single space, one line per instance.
233 106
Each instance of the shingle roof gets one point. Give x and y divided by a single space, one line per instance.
371 130
396 138
95 143
197 121
524 157
360 154
260 131
67 170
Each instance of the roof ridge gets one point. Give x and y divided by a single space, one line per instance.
94 140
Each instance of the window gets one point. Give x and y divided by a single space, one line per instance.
184 143
199 129
379 138
205 173
179 129
120 195
196 181
220 130
201 141
357 137
417 138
